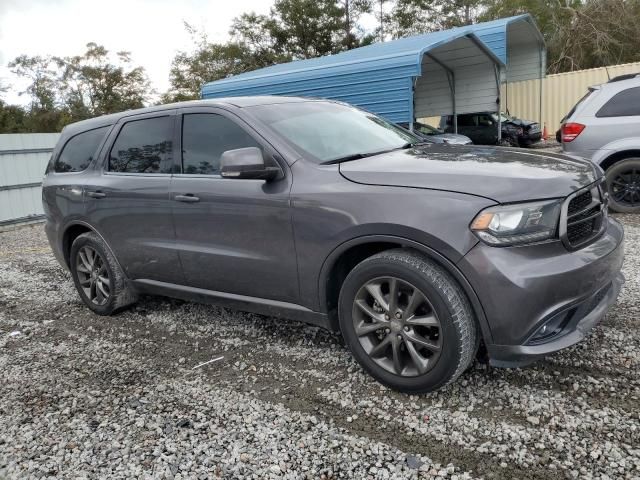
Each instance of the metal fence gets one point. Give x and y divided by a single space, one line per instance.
23 159
560 92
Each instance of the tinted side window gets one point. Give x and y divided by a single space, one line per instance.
205 136
466 120
143 146
78 153
622 104
484 120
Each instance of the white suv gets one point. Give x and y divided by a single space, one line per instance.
604 127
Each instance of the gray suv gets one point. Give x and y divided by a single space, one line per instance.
317 211
604 127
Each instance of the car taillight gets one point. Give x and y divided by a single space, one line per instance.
570 131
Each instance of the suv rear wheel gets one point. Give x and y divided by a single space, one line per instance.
97 275
623 185
407 322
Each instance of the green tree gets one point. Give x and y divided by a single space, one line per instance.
12 118
44 113
67 89
91 85
41 73
352 10
293 29
306 28
208 61
580 34
411 17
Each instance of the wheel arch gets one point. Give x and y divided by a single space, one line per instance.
618 156
344 257
72 231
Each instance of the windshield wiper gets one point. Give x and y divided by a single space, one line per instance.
414 144
358 156
355 156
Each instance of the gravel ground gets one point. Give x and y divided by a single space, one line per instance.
83 396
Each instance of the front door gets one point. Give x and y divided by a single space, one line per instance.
128 201
233 235
467 126
487 129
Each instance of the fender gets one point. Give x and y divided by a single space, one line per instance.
94 230
617 146
443 261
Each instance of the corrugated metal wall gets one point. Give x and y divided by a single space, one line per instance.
23 159
385 90
560 92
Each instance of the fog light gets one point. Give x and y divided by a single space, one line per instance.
552 328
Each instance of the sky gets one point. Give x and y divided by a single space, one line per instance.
152 30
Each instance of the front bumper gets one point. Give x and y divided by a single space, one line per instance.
530 138
523 288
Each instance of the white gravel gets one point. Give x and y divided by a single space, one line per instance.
83 396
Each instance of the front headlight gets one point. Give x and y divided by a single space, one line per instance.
516 224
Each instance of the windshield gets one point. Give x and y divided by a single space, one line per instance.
330 131
503 117
426 129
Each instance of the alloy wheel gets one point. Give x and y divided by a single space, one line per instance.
397 326
93 275
625 188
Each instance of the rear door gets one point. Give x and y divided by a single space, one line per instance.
233 235
127 198
64 183
618 118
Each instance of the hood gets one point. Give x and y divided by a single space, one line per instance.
520 123
452 138
498 173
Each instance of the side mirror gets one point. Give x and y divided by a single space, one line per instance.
243 163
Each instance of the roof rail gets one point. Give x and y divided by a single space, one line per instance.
626 76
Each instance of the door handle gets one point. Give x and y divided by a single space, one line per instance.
96 194
187 198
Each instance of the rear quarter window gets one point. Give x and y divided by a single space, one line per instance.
623 104
79 151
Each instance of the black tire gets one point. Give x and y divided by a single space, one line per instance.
120 292
457 332
625 170
509 142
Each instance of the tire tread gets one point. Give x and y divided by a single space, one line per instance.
123 293
462 316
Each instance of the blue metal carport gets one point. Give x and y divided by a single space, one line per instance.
441 73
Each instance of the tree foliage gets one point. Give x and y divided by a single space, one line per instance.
412 17
209 61
67 89
580 33
293 29
89 85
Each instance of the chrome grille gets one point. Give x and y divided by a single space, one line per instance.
583 217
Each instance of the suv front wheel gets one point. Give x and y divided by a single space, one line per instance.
407 322
623 185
